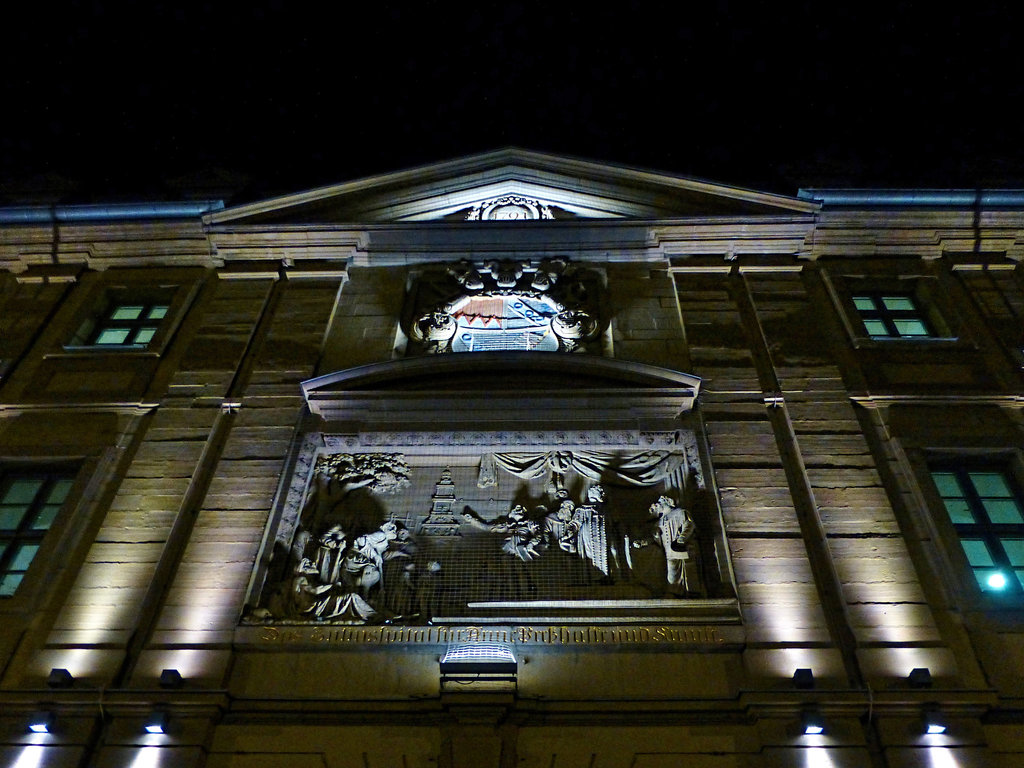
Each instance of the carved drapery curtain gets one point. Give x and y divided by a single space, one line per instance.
641 469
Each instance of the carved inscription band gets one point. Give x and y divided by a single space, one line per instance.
698 636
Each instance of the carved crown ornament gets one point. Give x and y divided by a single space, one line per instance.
502 305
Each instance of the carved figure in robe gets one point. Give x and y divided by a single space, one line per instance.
558 524
400 573
525 539
675 532
364 562
588 529
329 555
306 588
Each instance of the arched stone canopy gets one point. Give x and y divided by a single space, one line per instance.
502 390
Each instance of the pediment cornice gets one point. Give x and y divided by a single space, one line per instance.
502 391
564 188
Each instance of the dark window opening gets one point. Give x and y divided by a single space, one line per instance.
29 503
985 506
128 325
892 316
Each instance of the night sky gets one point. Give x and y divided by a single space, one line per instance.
107 101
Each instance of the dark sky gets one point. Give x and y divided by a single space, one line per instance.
107 101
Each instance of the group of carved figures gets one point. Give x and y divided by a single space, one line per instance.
335 582
588 532
341 578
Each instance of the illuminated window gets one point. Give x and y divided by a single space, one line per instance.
892 316
501 323
985 507
29 503
128 324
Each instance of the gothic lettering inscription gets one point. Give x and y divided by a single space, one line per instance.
581 635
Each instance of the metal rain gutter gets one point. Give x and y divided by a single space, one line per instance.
32 214
966 198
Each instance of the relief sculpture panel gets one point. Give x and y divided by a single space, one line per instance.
388 537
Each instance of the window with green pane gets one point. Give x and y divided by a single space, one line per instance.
128 324
29 503
892 316
984 503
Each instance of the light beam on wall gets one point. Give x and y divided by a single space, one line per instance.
30 757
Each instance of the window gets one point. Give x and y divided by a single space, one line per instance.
985 506
892 316
128 325
29 503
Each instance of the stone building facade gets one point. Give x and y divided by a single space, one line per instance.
514 460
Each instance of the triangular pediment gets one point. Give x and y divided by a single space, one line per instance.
512 184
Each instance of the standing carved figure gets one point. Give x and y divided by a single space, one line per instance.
675 532
558 524
589 530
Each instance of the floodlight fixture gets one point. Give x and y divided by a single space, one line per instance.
479 658
171 678
920 677
60 678
811 722
156 722
803 678
40 722
934 722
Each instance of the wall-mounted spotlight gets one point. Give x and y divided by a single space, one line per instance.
60 678
479 658
933 721
803 678
811 722
156 722
920 677
478 666
171 678
40 722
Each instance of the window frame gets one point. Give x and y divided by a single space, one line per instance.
891 317
957 571
25 532
992 534
173 290
133 326
924 290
